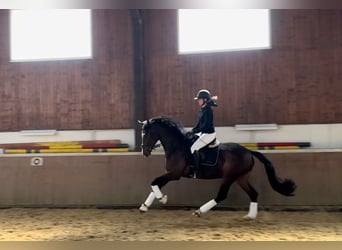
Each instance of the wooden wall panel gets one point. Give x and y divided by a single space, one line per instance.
298 81
77 94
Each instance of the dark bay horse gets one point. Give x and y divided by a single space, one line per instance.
234 164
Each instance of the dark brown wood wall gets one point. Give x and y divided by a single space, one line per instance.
298 81
80 94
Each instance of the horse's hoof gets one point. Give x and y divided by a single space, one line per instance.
197 213
248 217
163 200
143 208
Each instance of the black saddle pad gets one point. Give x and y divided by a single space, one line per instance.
209 156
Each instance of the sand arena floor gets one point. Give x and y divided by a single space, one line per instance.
44 224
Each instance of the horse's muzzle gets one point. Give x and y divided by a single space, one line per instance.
146 154
146 151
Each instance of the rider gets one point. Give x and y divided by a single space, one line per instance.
205 126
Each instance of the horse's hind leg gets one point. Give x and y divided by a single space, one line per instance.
222 194
253 196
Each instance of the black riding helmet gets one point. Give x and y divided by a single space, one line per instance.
203 94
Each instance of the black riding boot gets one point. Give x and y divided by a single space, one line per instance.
196 163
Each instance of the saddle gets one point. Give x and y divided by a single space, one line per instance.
208 154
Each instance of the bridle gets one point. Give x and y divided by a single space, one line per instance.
150 148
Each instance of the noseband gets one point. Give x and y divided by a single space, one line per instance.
150 148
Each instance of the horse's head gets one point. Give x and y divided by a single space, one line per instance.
170 133
149 137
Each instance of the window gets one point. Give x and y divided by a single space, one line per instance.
50 34
214 30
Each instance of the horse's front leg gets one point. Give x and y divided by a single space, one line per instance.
156 192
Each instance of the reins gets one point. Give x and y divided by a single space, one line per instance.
151 147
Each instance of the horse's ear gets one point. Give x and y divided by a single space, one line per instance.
144 122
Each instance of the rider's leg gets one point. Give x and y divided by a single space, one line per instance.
196 163
201 142
194 151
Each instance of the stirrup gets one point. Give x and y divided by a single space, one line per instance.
192 171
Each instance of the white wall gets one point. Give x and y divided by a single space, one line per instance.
319 135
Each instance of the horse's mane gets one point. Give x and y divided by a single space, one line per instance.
169 123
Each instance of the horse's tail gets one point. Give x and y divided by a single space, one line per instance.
285 187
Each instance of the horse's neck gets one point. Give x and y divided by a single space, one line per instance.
169 141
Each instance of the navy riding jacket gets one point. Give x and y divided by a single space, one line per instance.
206 120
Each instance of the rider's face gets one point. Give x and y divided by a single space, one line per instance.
200 102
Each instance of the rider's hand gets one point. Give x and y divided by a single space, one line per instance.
189 133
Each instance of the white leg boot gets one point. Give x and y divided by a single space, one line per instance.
159 195
253 211
205 208
144 207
